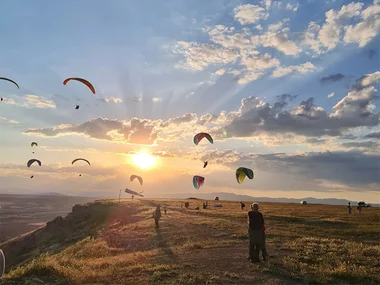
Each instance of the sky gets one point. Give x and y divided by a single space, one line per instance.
285 88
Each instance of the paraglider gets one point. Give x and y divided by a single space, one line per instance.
33 144
129 191
133 177
10 80
200 136
80 175
77 159
76 107
198 181
242 172
1 99
205 164
31 161
32 176
84 81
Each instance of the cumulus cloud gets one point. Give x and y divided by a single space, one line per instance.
367 80
111 100
330 33
254 117
368 28
331 95
199 56
249 14
302 68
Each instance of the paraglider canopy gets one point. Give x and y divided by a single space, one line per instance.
198 137
198 181
75 160
129 191
76 107
31 161
242 172
10 80
139 178
303 203
84 81
33 144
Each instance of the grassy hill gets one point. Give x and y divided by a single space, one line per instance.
110 243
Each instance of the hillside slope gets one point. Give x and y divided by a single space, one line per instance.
110 243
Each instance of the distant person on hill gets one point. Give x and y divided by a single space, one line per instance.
359 209
349 208
165 209
157 215
256 232
242 205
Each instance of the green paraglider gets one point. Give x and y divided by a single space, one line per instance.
243 172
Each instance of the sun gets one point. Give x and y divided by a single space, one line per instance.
143 160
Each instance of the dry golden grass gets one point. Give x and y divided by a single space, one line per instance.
111 243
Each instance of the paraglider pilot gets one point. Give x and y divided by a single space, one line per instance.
157 215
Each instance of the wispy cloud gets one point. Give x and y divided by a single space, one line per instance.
31 101
331 95
10 121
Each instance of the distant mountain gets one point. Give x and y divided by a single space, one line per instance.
236 197
50 194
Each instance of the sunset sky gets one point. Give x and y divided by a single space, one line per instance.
286 88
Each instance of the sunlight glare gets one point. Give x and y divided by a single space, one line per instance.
143 160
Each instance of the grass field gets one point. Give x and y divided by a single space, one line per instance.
110 243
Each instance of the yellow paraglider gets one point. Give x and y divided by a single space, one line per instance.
242 172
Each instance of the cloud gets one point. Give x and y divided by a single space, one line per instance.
368 28
330 33
334 31
111 100
367 80
291 7
199 56
303 68
362 144
349 167
10 121
331 95
156 99
332 78
254 117
220 72
31 101
373 135
249 14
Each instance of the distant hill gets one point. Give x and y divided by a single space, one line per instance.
51 194
236 197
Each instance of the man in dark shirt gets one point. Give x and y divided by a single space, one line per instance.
256 233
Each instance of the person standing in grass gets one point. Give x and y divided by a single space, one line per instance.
242 205
157 215
256 232
349 208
